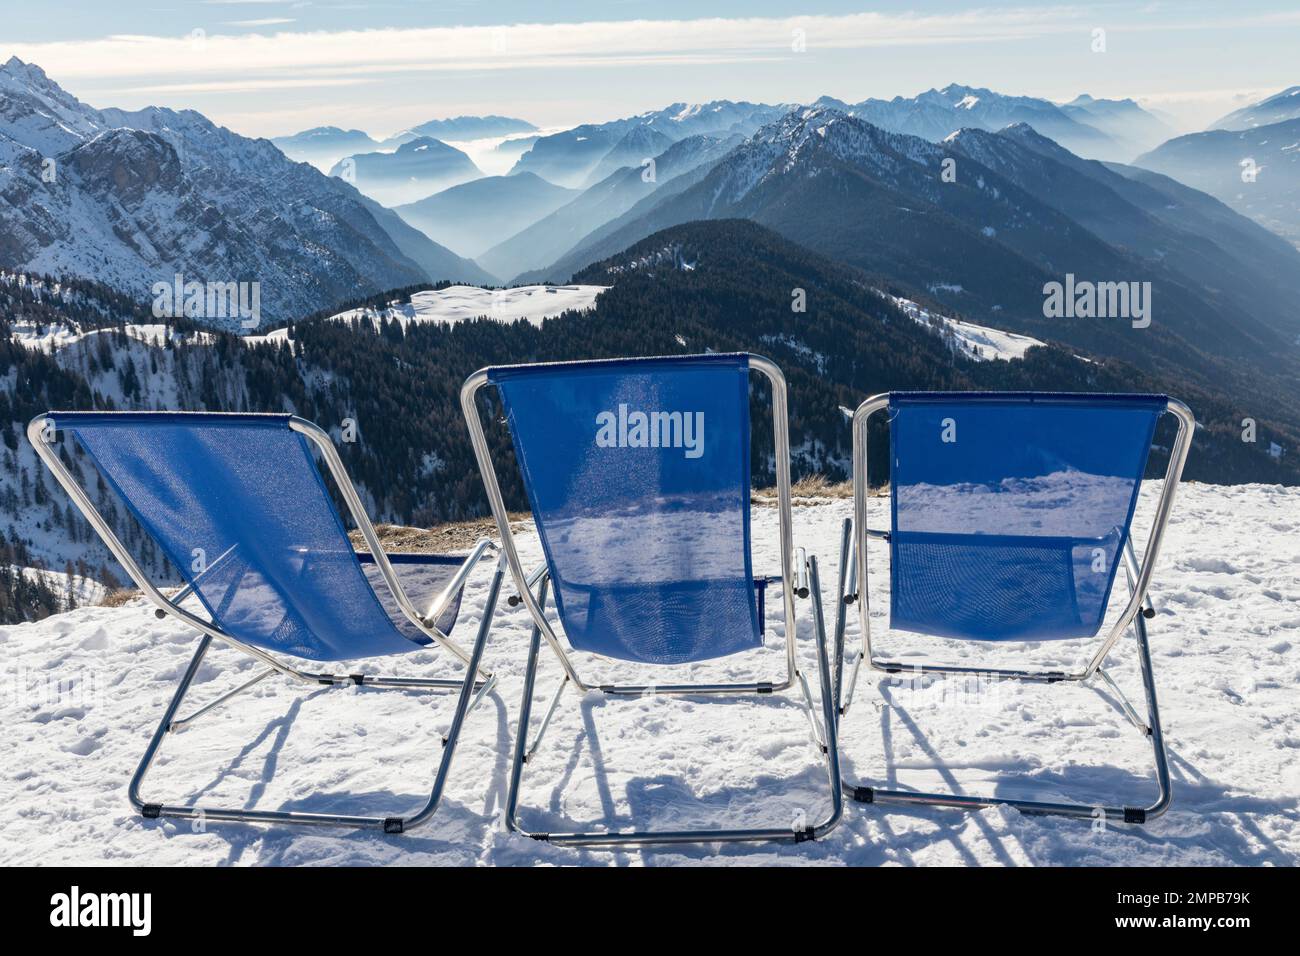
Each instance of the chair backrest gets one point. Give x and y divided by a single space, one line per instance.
239 506
637 471
1010 510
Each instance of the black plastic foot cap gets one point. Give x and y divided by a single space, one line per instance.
151 811
804 835
1134 815
394 825
864 795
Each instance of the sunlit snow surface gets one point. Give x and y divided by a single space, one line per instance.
1225 641
51 337
976 341
460 302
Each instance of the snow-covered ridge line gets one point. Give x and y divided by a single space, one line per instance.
459 303
966 338
440 306
51 337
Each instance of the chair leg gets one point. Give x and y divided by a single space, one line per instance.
867 794
465 701
830 751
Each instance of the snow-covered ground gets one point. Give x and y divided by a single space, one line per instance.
458 303
977 341
50 338
1226 646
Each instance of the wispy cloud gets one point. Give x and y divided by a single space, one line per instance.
524 46
264 22
634 64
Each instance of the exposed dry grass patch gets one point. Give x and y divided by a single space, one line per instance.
440 539
815 488
119 596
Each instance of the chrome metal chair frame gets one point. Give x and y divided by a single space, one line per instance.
795 567
471 690
1135 614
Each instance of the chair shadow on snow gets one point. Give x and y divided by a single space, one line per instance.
865 836
646 797
455 828
1205 805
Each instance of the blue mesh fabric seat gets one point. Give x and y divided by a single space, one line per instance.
1009 511
638 476
238 505
637 471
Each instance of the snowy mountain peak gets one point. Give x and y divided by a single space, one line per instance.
28 73
318 132
957 96
141 196
422 144
807 140
1277 108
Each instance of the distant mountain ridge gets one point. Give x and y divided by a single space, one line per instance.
546 239
1103 129
1255 170
473 216
463 128
324 145
575 157
419 167
1106 129
1277 108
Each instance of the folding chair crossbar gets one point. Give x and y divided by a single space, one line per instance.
798 577
853 569
471 689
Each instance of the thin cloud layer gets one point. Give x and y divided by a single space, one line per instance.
523 46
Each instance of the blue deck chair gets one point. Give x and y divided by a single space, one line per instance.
237 503
1010 516
637 472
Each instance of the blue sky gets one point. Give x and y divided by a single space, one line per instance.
265 67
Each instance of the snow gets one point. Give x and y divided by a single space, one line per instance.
83 590
50 338
445 306
458 303
976 341
1226 646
